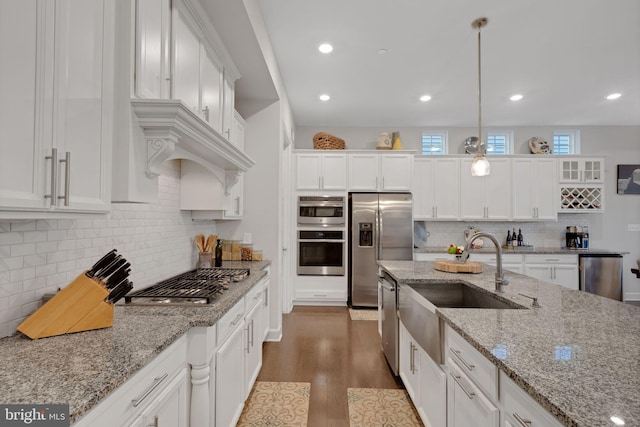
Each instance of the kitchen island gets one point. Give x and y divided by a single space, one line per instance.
577 355
82 369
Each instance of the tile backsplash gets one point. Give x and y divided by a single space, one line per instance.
40 256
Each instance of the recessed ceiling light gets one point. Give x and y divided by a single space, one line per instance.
425 98
325 48
516 97
382 51
324 97
614 96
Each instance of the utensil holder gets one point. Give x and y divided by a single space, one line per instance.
80 306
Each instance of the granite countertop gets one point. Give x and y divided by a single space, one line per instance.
82 368
578 355
490 249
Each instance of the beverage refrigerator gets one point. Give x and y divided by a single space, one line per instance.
380 228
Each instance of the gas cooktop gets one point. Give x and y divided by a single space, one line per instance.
196 287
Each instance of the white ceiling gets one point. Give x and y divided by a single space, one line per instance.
563 56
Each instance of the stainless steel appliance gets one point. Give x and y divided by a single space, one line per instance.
601 274
321 210
381 227
390 322
195 287
321 252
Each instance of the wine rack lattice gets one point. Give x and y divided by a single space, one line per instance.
580 198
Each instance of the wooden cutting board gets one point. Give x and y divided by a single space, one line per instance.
458 267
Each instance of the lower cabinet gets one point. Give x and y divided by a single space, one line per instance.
230 380
169 409
424 380
558 269
519 409
467 406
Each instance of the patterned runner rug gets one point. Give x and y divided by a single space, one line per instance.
363 314
276 404
376 407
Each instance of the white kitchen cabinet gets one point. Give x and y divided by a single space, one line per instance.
436 187
57 104
197 69
253 343
228 103
432 256
230 389
581 170
321 171
409 365
486 197
380 172
153 41
559 269
518 409
160 389
534 189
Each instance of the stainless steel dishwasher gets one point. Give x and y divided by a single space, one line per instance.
390 328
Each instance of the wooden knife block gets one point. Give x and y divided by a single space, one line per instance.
78 307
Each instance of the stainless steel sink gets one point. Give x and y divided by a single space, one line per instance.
417 304
461 295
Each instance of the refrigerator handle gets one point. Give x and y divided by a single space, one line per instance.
378 234
582 277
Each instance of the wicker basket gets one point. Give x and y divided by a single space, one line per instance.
324 141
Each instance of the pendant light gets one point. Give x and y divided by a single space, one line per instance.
480 165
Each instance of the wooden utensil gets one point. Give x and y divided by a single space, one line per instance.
200 242
210 243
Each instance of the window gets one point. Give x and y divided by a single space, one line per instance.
500 142
566 142
434 142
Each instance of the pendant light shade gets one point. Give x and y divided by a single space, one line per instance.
480 165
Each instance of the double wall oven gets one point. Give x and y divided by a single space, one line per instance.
321 236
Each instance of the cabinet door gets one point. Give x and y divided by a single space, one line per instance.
186 63
446 194
308 171
498 190
363 172
396 171
170 408
228 103
235 200
23 86
545 184
524 178
237 131
334 172
230 379
433 392
567 276
467 406
472 198
253 343
152 49
422 189
83 106
210 88
409 365
538 271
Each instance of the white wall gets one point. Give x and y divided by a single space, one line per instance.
617 144
37 257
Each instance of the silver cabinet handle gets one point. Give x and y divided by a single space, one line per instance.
251 336
376 182
413 358
235 321
523 422
205 111
156 383
469 394
238 205
383 182
319 182
54 176
67 176
458 354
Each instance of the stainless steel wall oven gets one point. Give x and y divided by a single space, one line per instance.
321 210
321 252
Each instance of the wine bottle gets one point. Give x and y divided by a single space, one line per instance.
520 238
508 238
514 237
219 254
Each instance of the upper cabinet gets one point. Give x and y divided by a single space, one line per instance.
534 189
436 187
486 197
581 185
380 171
153 45
321 171
56 105
582 170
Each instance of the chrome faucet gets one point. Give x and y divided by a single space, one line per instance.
501 282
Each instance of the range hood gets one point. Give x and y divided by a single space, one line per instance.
173 131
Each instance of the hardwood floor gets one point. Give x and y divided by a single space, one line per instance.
323 346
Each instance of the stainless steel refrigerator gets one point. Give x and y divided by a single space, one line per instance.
380 228
601 274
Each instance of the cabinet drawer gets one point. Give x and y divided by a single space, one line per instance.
476 366
551 259
518 408
229 322
254 296
140 390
